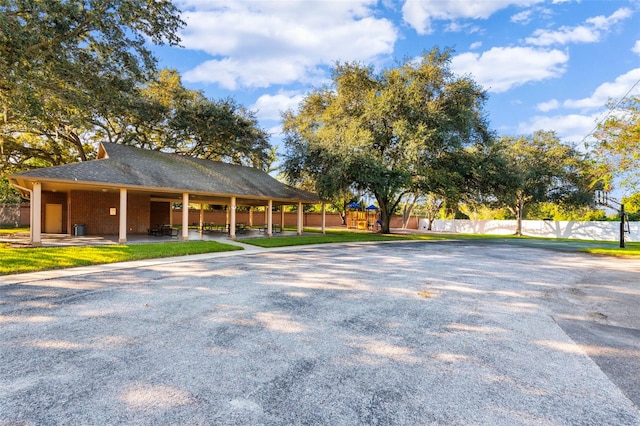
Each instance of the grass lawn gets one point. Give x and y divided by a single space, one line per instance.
329 237
314 236
630 250
9 231
18 260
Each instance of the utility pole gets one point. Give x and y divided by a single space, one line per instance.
622 217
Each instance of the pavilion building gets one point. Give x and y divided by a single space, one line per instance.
126 190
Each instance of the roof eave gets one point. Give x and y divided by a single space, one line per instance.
25 182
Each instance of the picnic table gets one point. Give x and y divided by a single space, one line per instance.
162 230
209 227
276 229
241 228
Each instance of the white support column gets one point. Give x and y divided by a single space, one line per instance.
265 217
69 210
232 218
300 218
250 217
282 218
36 215
122 228
324 218
185 216
270 219
201 217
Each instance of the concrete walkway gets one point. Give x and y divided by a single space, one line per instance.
85 270
401 333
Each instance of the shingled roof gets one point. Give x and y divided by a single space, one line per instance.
162 173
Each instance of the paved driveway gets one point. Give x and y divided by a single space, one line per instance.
402 333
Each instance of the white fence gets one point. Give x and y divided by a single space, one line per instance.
601 231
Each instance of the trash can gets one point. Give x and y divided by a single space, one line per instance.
79 230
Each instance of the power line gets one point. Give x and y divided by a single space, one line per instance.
610 111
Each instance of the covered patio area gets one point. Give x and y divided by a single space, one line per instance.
128 193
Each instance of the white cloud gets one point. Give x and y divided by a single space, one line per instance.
547 106
502 68
269 107
590 32
570 127
575 127
455 27
249 72
523 17
607 91
636 47
475 45
564 35
261 43
420 13
604 22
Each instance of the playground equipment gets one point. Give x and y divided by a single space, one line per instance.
362 220
356 219
372 218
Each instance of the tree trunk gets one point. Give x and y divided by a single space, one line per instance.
386 211
385 218
519 208
385 226
408 209
73 138
434 206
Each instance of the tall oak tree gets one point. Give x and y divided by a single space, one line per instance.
399 131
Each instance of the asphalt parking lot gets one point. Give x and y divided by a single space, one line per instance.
374 334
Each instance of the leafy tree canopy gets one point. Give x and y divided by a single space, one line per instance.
387 133
540 168
632 206
64 62
78 48
618 149
165 115
76 72
8 194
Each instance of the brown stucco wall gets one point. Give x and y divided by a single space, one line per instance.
25 214
291 218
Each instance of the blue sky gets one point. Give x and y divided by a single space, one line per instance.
546 64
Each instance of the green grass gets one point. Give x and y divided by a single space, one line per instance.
630 250
19 260
9 231
329 237
333 236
